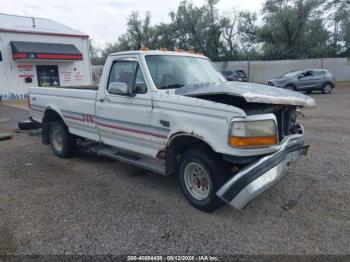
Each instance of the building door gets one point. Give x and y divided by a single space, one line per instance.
47 75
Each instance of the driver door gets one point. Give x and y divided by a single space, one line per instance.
125 121
305 80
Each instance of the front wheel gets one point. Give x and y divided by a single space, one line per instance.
62 142
327 88
201 175
290 87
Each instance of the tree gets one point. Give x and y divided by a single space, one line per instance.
164 36
287 29
138 30
345 33
139 33
95 59
248 30
239 35
285 24
230 34
340 11
213 29
188 23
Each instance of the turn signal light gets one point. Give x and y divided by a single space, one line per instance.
253 141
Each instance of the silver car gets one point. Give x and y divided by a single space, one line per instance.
306 80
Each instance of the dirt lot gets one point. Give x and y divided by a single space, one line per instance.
89 205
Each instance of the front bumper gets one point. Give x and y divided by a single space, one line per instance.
261 175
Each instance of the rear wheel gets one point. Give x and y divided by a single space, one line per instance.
327 88
62 142
201 175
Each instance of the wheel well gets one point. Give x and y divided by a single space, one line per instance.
328 83
177 145
49 117
290 84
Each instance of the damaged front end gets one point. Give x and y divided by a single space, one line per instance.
260 170
260 175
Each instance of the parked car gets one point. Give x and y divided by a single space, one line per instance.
236 75
306 80
172 113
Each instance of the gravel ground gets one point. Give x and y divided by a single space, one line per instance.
89 205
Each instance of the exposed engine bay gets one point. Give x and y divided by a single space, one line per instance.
286 115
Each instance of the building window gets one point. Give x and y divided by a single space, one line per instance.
48 75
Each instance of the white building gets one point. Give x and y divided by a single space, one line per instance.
40 52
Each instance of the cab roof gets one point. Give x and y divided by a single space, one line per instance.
158 52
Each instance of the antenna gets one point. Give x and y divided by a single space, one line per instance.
33 21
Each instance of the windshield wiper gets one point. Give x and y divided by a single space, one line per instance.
171 86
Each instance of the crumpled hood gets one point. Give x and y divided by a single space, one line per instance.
253 93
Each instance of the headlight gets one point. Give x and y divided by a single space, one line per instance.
281 82
253 133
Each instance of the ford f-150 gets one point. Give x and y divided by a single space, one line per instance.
175 114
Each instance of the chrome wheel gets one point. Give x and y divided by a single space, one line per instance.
327 89
197 180
57 139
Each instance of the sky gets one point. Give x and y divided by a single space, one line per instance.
105 20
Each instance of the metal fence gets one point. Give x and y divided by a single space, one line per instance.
262 71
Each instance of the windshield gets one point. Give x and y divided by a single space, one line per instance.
294 73
169 71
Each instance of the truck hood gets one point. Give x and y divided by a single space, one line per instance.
252 93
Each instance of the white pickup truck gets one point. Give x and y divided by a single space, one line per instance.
174 114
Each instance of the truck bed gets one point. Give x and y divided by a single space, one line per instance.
75 104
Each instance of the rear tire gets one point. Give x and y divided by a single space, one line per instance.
327 88
201 174
62 142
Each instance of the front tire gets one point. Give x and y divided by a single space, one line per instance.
327 88
62 142
201 174
290 87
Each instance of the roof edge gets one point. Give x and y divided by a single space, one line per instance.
42 33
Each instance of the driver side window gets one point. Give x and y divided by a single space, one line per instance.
128 72
308 73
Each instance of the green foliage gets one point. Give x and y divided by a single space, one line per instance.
287 29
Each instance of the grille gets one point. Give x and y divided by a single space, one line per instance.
285 120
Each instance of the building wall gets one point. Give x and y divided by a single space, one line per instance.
262 71
12 85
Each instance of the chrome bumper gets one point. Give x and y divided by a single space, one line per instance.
261 175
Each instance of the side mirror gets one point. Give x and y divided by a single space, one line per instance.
301 76
118 88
